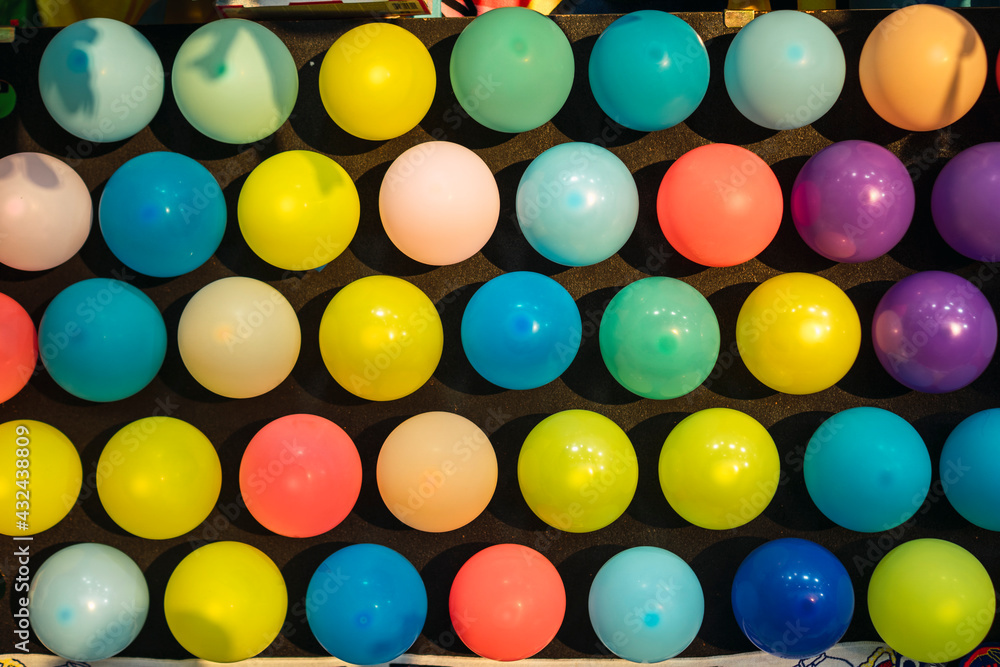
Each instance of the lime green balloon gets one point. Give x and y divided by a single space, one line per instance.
512 69
577 471
931 600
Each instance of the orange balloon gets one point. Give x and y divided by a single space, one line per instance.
923 67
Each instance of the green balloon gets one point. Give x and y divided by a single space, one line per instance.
512 69
659 338
8 98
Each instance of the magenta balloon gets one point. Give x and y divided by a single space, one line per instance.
965 202
934 332
852 201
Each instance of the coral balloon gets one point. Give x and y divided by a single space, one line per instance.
18 348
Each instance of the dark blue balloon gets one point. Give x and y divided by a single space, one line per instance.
366 604
792 598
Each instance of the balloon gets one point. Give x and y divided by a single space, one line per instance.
923 67
159 477
965 204
88 602
377 81
507 602
792 598
867 469
235 81
577 471
512 69
934 332
931 600
225 602
852 201
798 333
366 604
239 337
381 338
659 338
719 468
101 80
298 210
521 330
786 71
46 212
646 604
719 205
18 348
102 339
45 477
8 98
970 456
439 203
162 214
437 471
649 70
300 475
577 204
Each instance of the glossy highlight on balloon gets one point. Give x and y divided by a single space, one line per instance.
18 348
965 202
970 454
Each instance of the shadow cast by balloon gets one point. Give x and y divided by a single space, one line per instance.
508 504
156 632
297 573
233 252
230 496
577 572
454 369
370 505
730 377
438 629
866 377
649 506
792 507
89 498
716 568
173 373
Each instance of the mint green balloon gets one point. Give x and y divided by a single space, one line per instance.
659 338
512 69
235 81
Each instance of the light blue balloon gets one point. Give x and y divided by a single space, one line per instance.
101 80
102 339
649 70
88 602
162 214
521 330
969 461
646 604
366 604
785 69
577 204
867 469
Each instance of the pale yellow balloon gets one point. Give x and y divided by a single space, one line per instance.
437 471
239 337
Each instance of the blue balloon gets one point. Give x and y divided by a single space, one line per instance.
867 469
969 461
792 598
366 604
646 604
521 330
88 602
102 339
162 214
577 204
785 69
649 70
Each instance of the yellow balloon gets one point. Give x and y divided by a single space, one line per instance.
381 338
42 477
377 81
798 333
719 468
158 477
298 210
226 601
931 600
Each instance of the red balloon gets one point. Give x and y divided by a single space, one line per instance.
18 347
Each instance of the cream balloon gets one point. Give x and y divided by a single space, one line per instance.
437 471
239 337
45 212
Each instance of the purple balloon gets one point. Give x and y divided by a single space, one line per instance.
965 202
852 201
934 332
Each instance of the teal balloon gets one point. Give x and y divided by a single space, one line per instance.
101 80
649 70
659 338
512 69
88 602
969 461
785 69
646 604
